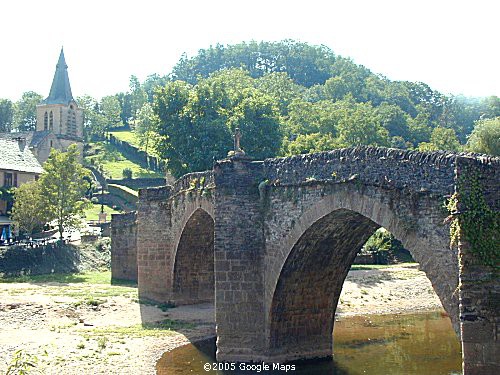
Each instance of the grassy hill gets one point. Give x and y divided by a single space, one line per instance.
113 162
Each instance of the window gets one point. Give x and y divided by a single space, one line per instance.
51 122
51 144
45 121
7 179
15 179
71 122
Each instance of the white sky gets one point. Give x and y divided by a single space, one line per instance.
452 45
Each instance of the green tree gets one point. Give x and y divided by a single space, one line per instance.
28 212
361 126
94 124
151 83
309 143
63 188
146 126
25 111
137 96
441 139
110 109
485 137
281 87
256 115
196 123
6 115
125 107
394 119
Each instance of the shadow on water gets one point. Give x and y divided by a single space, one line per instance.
386 344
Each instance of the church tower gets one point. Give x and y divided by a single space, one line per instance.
59 113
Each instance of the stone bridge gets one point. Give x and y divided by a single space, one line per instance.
272 242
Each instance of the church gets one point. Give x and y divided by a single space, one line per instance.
59 120
59 124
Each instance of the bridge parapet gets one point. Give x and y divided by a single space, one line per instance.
155 193
384 167
195 180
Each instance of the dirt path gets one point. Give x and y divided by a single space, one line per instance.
96 329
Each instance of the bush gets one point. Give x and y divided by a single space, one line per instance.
386 248
127 173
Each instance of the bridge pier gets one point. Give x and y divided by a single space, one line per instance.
239 255
283 226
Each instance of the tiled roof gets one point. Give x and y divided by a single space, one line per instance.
33 138
38 136
16 156
60 91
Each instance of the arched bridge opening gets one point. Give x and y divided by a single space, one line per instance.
306 296
193 276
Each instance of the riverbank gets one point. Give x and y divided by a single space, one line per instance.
86 325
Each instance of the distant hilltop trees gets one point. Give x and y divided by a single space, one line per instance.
287 98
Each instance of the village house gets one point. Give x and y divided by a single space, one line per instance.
18 165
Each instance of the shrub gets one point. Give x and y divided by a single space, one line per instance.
127 173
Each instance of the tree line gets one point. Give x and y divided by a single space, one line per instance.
287 98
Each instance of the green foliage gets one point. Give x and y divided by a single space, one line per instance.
110 109
137 96
94 124
92 213
360 126
384 246
196 123
485 137
306 65
28 212
102 342
25 111
127 173
111 162
94 277
6 115
287 97
146 126
441 139
309 143
63 189
22 363
473 221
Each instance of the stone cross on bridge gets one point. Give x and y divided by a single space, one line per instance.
272 242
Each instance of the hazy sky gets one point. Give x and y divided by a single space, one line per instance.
452 45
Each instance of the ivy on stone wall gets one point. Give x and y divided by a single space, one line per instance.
472 219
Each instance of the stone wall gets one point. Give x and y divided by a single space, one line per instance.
285 233
239 244
176 237
154 243
144 159
479 283
138 183
124 246
388 168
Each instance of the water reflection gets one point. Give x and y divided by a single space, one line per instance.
385 344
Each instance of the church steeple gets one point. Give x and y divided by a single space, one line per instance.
60 91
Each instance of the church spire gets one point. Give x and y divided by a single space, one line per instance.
60 91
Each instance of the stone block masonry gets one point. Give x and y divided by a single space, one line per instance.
272 241
124 246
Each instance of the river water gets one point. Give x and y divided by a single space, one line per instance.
377 345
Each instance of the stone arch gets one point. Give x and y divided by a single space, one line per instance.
305 280
193 259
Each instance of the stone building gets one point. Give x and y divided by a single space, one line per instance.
58 117
59 120
18 165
